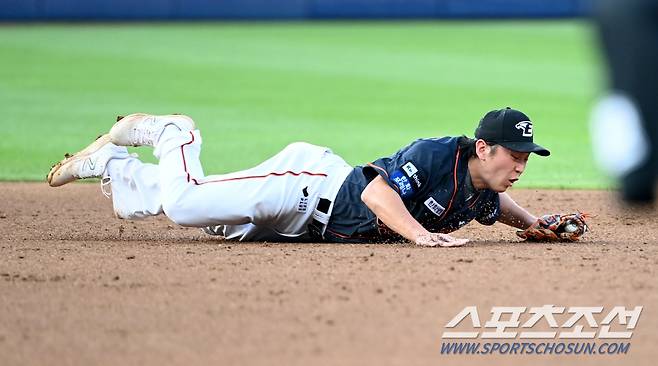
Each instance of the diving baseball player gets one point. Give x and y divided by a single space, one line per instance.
307 193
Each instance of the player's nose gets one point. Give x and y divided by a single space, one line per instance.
520 167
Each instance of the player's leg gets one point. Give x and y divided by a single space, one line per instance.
277 194
135 188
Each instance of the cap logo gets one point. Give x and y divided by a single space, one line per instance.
525 127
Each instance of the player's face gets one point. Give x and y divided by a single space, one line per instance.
504 167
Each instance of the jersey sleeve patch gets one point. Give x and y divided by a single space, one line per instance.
402 182
413 174
410 169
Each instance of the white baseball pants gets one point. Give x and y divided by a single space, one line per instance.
272 201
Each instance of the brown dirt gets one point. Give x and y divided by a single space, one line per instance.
79 287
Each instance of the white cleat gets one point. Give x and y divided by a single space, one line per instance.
89 162
141 129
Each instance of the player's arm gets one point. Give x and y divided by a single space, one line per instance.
514 215
384 202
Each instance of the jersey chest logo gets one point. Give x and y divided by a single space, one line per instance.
434 206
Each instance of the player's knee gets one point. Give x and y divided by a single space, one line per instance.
184 117
180 120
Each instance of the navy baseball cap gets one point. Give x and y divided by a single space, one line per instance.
510 128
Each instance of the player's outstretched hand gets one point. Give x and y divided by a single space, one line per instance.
439 240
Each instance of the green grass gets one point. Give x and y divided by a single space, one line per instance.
364 89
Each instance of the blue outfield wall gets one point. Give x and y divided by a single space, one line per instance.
39 10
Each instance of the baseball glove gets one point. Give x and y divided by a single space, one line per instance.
556 227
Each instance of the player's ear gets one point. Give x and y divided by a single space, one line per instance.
481 149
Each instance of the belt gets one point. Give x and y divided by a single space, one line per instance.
320 219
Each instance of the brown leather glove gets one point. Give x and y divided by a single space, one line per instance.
556 227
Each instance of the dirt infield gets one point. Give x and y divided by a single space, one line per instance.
80 287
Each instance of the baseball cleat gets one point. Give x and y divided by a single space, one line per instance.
89 162
141 129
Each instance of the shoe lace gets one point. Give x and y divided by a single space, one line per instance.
146 133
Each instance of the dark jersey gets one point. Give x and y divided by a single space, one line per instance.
430 175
